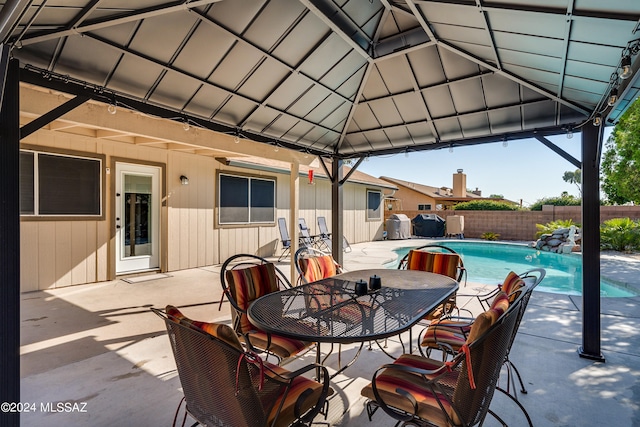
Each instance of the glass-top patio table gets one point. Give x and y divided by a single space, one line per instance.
330 311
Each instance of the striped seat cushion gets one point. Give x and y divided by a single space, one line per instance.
300 385
512 285
248 284
389 380
282 347
434 262
316 268
446 264
218 330
455 332
431 406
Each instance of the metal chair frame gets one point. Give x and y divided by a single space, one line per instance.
244 261
324 238
207 367
451 382
285 239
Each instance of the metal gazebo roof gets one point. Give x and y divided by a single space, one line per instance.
339 77
334 78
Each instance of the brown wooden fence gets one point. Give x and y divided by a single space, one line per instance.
521 225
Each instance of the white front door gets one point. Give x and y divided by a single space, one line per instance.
137 217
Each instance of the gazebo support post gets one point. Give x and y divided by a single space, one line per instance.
10 237
337 205
591 141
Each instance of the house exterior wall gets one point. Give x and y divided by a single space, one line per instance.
411 199
57 253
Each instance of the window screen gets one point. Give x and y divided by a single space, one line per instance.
244 200
53 184
262 200
234 199
68 185
374 199
27 197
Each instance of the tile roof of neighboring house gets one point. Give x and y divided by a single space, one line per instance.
442 193
277 166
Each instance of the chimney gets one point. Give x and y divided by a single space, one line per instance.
459 184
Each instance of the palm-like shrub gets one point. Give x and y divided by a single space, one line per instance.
620 234
489 235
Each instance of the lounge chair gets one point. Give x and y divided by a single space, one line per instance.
325 237
284 238
306 239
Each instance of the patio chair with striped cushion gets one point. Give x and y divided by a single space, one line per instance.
244 279
313 264
439 259
422 391
224 384
450 333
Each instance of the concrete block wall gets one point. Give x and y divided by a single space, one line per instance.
521 225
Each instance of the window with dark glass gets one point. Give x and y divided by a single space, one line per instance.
426 207
245 200
52 184
374 203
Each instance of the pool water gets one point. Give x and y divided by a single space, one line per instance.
489 262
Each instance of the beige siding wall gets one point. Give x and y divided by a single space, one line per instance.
63 253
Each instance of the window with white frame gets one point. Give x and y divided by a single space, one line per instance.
246 200
425 207
374 205
60 185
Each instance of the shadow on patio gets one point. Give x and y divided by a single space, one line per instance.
101 345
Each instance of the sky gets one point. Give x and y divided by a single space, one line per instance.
523 170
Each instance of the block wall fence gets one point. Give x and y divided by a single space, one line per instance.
521 225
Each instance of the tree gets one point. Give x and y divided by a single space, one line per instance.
573 178
564 200
621 160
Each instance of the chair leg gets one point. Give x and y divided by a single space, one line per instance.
517 402
511 380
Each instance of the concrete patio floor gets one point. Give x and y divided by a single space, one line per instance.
100 345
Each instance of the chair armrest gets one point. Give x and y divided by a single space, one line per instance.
320 404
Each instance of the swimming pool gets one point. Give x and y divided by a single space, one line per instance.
489 262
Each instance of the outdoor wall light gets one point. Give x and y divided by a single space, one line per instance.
625 67
184 180
111 109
